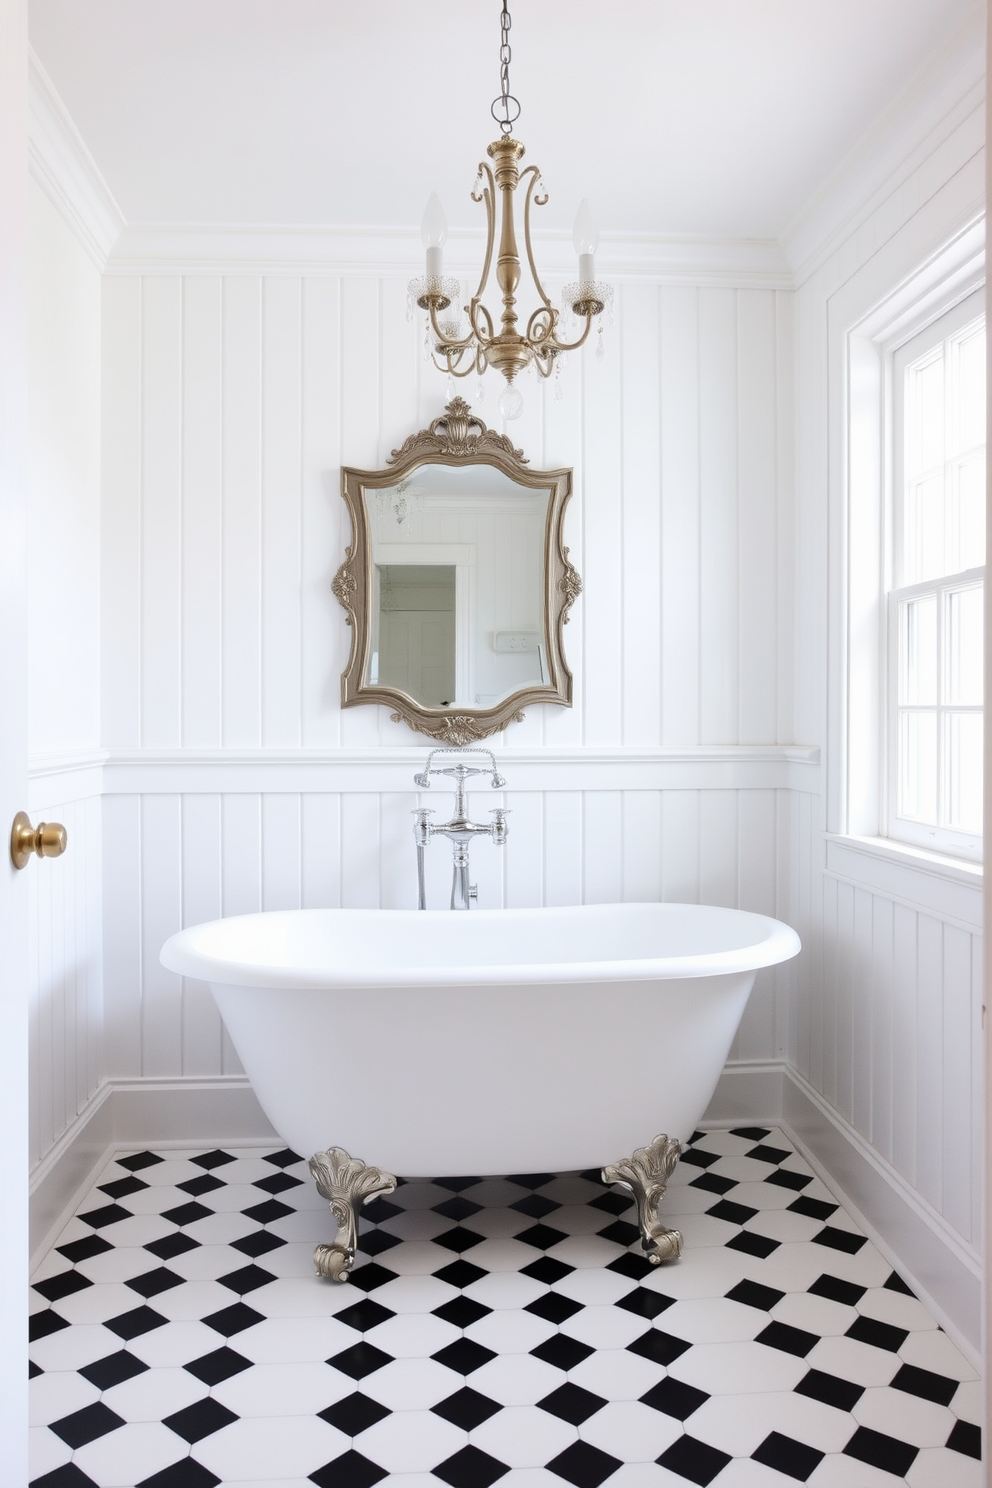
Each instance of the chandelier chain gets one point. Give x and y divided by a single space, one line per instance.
505 109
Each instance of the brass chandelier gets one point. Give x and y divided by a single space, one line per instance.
461 350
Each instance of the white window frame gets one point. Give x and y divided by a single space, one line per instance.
937 330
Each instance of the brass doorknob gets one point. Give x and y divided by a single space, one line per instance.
47 839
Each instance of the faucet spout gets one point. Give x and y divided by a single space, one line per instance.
460 829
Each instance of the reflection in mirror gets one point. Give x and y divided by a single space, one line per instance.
457 583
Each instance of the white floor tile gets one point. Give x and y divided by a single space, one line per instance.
408 1442
125 1456
594 1288
174 1344
738 1424
294 1340
895 1308
940 1468
630 1431
407 1336
712 1320
155 1394
412 1384
814 1314
74 1348
851 1360
273 1446
523 1436
283 1389
517 1380
922 1423
507 1331
46 1451
616 1374
735 1368
504 1289
934 1350
53 1396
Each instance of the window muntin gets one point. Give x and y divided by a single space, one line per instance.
935 605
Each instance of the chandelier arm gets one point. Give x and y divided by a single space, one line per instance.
574 345
484 333
489 197
535 176
447 343
535 336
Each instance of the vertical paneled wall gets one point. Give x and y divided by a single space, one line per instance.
230 403
887 1016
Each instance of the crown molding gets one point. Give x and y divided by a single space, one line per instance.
252 248
945 96
66 171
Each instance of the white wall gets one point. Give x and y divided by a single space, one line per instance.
63 629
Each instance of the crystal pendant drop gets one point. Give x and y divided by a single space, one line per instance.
480 391
600 348
450 391
511 402
427 341
558 393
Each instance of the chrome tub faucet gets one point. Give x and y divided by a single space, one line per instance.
460 829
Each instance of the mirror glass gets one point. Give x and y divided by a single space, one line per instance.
457 601
457 583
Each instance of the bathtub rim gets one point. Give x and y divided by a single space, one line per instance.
184 953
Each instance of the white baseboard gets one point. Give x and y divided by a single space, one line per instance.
944 1272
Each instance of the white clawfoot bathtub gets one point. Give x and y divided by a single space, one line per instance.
498 1041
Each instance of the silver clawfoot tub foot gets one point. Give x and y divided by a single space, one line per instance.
646 1174
346 1183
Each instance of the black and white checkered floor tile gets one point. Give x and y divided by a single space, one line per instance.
497 1330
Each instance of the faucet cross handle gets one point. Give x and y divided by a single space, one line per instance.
424 778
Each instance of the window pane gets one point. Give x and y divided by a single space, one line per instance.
963 755
963 642
967 540
925 406
917 780
968 351
924 537
918 651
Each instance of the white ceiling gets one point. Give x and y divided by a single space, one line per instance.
700 117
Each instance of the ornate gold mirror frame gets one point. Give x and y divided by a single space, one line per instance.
457 438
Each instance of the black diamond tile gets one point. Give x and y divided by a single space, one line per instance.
530 1180
259 1242
42 1324
82 1250
925 1384
33 1370
186 1473
636 1267
674 1398
840 1240
110 1214
350 1471
592 1175
470 1468
841 1393
733 1213
205 1183
53 1288
364 1315
185 1214
374 1242
542 1236
713 1183
380 1208
790 1340
645 1303
695 1460
547 1270
459 1239
879 1450
121 1187
460 1274
751 1133
536 1206
553 1307
812 1208
69 1476
895 1283
201 1419
87 1424
756 1245
283 1159
455 1185
572 1404
172 1245
561 1351
966 1438
611 1201
210 1160
792 1458
659 1347
463 1356
151 1283
139 1160
132 1324
620 1232
354 1414
763 1153
466 1408
113 1369
233 1319
456 1208
247 1279
837 1290
219 1364
277 1183
360 1360
461 1312
697 1158
367 1278
880 1335
752 1294
584 1465
267 1212
786 1178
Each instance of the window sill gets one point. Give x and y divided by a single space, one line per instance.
950 888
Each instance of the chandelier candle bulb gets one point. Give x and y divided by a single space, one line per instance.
434 235
585 240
